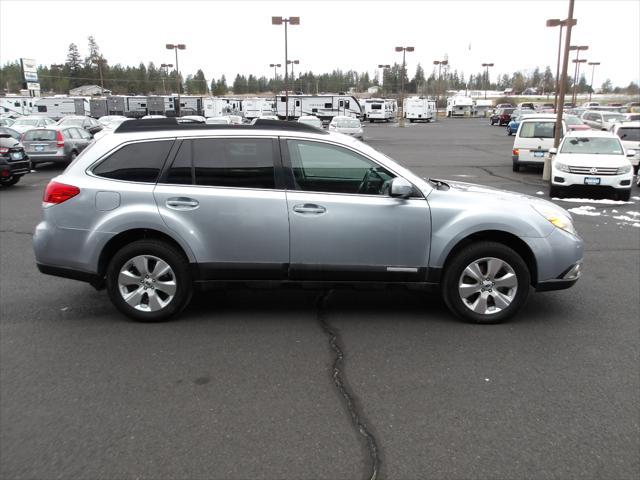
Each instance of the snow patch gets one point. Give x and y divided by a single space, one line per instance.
604 201
635 198
626 218
539 193
585 210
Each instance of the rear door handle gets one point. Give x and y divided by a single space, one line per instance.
309 208
182 203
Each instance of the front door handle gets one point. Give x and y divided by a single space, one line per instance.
182 203
309 208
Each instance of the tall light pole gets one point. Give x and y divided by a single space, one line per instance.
176 47
555 22
100 61
575 85
593 71
166 66
486 81
286 21
569 22
293 75
404 51
578 49
440 63
383 66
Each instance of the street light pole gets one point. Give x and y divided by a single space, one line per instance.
546 173
593 71
575 85
404 50
440 63
176 47
293 75
166 66
578 49
382 66
286 21
486 80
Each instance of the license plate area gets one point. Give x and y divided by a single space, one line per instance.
591 180
538 154
38 148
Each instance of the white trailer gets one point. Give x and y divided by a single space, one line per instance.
380 109
325 107
418 109
459 106
58 106
16 105
220 106
257 106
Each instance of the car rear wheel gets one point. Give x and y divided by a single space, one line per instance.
149 281
509 132
516 166
486 282
10 180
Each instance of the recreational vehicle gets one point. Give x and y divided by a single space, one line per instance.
459 106
379 109
17 105
325 107
257 107
418 109
58 106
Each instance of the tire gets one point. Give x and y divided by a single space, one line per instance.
555 191
411 120
516 166
497 303
10 181
509 132
72 156
150 251
492 122
624 196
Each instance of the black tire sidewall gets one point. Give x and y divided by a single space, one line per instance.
467 255
169 254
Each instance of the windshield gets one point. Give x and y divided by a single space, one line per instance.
572 120
348 123
629 134
40 135
27 121
613 117
592 145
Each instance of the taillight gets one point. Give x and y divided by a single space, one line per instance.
59 140
56 193
515 152
4 150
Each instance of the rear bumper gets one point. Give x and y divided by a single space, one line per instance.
35 158
88 277
15 168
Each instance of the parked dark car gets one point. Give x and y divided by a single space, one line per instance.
55 144
502 116
89 124
14 162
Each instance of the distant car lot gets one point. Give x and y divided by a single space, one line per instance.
246 374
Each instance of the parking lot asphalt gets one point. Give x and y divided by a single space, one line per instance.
241 385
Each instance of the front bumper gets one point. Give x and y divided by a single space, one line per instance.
564 179
14 168
566 280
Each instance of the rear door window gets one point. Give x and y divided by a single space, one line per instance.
224 162
537 130
136 162
73 133
40 135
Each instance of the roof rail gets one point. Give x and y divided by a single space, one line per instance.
158 124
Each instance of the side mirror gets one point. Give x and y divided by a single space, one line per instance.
553 151
631 153
400 188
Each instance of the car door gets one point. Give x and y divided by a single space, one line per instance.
343 225
223 198
84 140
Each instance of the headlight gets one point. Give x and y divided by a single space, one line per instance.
557 217
625 169
561 166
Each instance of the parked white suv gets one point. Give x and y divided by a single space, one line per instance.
629 134
594 159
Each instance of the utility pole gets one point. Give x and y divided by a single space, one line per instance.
546 173
286 21
403 50
100 61
176 47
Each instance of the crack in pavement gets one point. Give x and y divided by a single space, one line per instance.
339 381
511 179
17 232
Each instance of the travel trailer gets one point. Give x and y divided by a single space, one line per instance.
460 106
379 109
58 106
17 105
257 107
325 107
419 109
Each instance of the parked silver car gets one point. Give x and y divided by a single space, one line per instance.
57 143
347 125
157 208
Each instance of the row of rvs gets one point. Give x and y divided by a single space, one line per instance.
324 106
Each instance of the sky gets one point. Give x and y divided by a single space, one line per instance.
230 37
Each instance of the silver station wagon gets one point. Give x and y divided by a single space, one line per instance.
159 208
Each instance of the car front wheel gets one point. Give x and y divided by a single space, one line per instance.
10 180
486 282
149 281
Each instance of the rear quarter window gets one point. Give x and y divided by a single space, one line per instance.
136 162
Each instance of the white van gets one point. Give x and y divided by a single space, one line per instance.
533 141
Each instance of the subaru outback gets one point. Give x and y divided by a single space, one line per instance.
158 209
